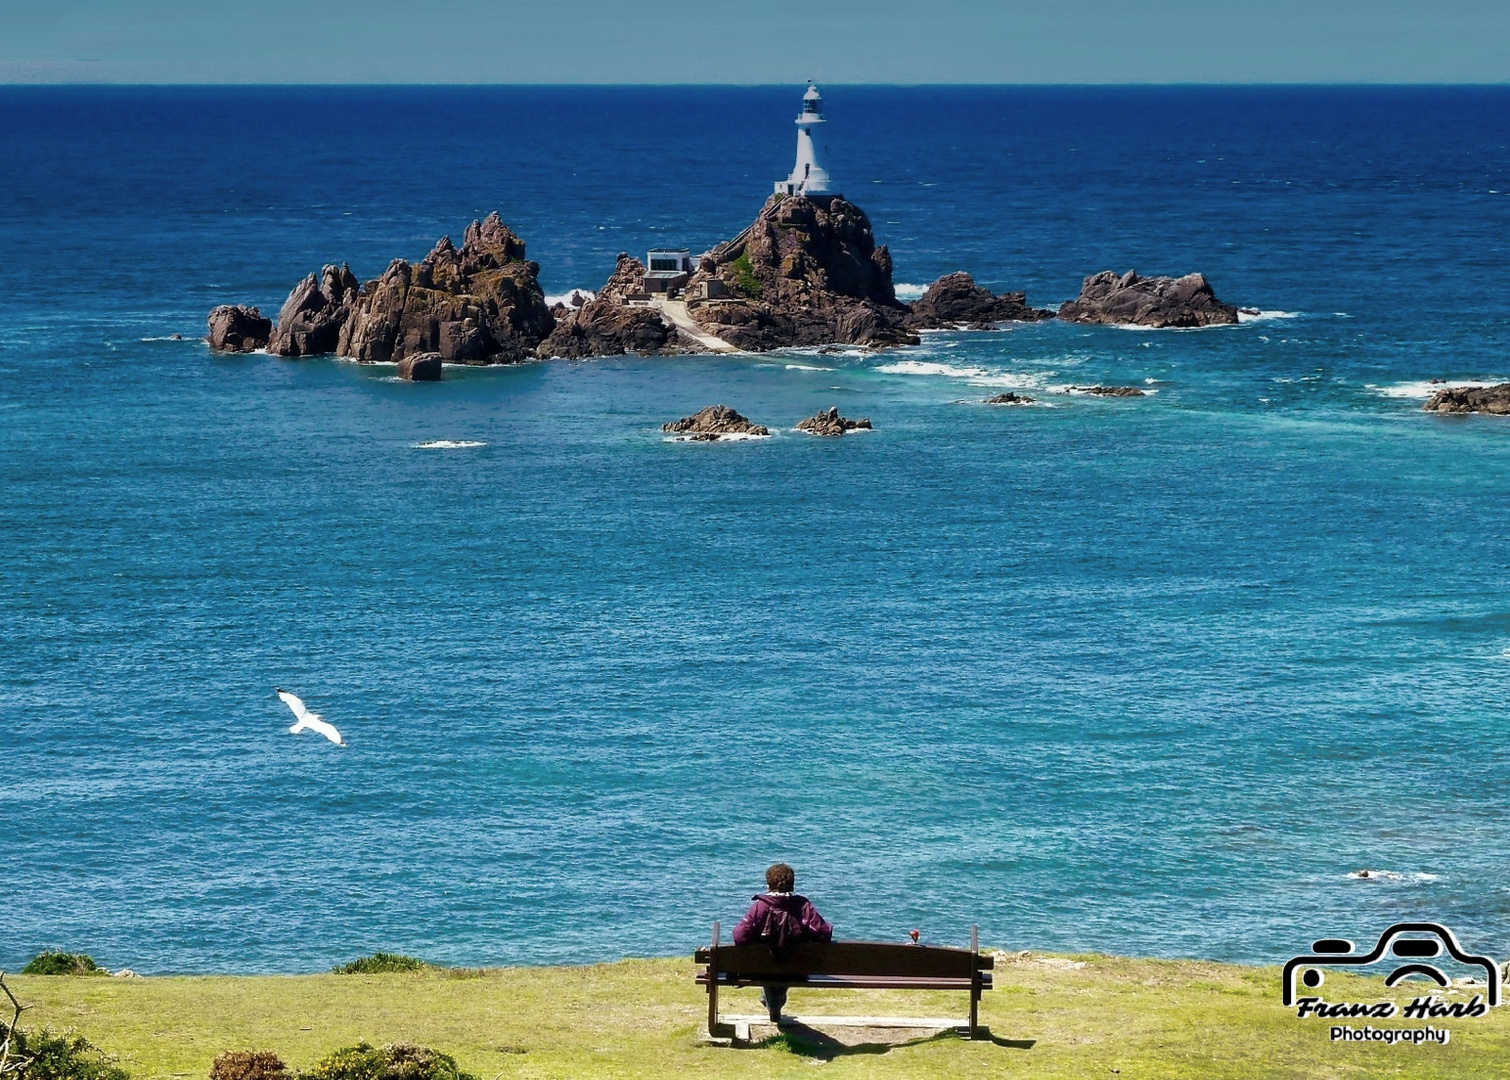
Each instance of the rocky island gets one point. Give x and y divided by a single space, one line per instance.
1494 400
714 423
807 271
1161 302
831 423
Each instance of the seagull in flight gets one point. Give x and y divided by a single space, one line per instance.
309 721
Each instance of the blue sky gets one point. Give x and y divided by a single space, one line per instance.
769 41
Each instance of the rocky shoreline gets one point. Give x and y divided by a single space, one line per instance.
807 271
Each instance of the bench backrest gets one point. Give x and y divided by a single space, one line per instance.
846 958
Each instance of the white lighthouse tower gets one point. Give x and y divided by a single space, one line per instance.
809 177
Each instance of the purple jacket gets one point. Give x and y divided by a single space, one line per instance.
780 920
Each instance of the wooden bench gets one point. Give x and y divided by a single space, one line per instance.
846 965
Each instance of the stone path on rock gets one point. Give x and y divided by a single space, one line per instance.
676 312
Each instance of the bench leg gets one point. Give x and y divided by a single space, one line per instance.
713 985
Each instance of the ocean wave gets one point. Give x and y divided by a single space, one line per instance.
1011 382
907 293
929 367
1265 316
802 367
1424 388
574 298
447 444
175 337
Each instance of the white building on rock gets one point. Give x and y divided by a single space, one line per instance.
808 177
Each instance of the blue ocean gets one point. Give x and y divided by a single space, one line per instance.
1147 676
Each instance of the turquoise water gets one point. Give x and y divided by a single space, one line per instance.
1147 676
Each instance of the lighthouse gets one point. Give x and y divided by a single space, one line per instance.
808 177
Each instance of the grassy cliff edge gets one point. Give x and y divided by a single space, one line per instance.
1111 1017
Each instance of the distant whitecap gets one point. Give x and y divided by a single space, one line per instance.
448 444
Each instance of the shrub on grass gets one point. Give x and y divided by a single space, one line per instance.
393 1062
50 1056
380 963
50 962
249 1065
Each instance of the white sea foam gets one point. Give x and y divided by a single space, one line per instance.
803 367
575 298
1265 316
171 337
907 293
1424 388
1085 391
448 444
1416 878
928 367
728 436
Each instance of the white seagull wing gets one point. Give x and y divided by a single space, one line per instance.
303 715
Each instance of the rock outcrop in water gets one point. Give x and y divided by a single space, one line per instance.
956 300
712 423
807 271
1130 300
422 367
1108 391
1009 398
481 304
831 423
1494 400
606 325
235 328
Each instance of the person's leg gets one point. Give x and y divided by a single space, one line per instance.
774 998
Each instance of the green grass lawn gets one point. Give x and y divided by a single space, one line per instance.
642 1018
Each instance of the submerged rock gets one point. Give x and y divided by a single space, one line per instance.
1009 398
424 367
955 300
235 328
806 272
1108 391
709 424
831 423
606 325
1494 400
1130 300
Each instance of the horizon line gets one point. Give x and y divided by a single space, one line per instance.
1149 84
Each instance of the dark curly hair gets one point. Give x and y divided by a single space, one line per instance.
780 878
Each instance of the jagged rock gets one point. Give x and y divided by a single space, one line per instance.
1494 400
422 367
605 325
1009 398
311 319
807 272
831 423
1108 391
1130 300
234 328
711 423
479 305
955 299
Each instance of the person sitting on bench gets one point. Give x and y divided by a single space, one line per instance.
780 918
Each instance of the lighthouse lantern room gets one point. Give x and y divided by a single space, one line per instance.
808 177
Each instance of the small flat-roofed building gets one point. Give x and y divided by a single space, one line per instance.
667 269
